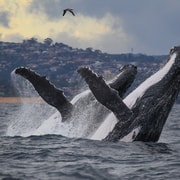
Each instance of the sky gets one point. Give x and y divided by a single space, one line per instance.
112 26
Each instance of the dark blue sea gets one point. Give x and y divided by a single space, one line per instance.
56 157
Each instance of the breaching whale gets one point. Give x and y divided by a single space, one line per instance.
139 117
142 114
83 106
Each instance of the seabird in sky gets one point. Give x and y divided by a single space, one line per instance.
70 10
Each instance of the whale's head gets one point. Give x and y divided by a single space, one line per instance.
175 51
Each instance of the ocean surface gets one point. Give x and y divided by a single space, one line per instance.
57 157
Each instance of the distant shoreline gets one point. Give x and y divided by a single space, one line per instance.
12 100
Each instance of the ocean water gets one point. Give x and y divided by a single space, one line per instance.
57 157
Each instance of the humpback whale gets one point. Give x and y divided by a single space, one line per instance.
84 102
138 117
143 113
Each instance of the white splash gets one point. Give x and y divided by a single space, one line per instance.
31 119
29 116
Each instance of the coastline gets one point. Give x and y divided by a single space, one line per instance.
12 100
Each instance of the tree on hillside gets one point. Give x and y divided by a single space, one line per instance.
48 41
32 40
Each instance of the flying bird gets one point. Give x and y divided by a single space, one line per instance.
70 10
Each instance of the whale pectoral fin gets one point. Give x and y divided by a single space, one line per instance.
105 94
47 91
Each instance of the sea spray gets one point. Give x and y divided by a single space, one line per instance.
81 124
29 116
41 119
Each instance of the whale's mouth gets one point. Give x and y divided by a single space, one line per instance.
174 49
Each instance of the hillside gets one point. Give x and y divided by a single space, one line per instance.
59 63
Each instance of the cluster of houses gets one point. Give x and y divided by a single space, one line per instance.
59 63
